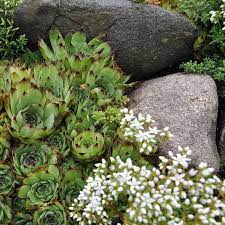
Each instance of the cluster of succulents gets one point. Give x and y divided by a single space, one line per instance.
124 193
58 116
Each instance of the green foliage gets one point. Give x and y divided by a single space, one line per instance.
211 38
8 4
210 46
199 10
11 46
4 139
5 211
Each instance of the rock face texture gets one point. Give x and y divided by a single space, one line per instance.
145 39
221 135
187 103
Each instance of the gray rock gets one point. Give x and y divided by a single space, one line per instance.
146 39
188 104
221 134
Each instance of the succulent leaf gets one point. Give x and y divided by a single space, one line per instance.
125 151
4 138
50 215
5 211
7 179
23 219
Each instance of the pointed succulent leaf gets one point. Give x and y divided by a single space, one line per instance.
50 214
78 41
5 211
23 219
7 179
125 151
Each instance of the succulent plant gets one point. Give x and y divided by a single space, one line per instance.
88 146
50 215
18 204
71 186
40 187
7 179
4 138
28 158
58 141
59 114
125 151
23 219
31 115
5 211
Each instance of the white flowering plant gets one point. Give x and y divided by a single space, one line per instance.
173 193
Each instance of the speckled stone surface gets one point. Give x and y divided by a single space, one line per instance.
145 38
188 104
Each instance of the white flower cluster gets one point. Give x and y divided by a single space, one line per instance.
140 130
172 194
216 16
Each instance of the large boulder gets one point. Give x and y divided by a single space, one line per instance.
221 134
145 38
188 104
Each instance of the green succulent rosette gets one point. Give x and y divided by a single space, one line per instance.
58 141
23 219
40 187
71 186
50 215
5 211
88 146
18 204
7 179
28 158
4 138
4 148
31 115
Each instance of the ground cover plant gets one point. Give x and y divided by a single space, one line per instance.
11 45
